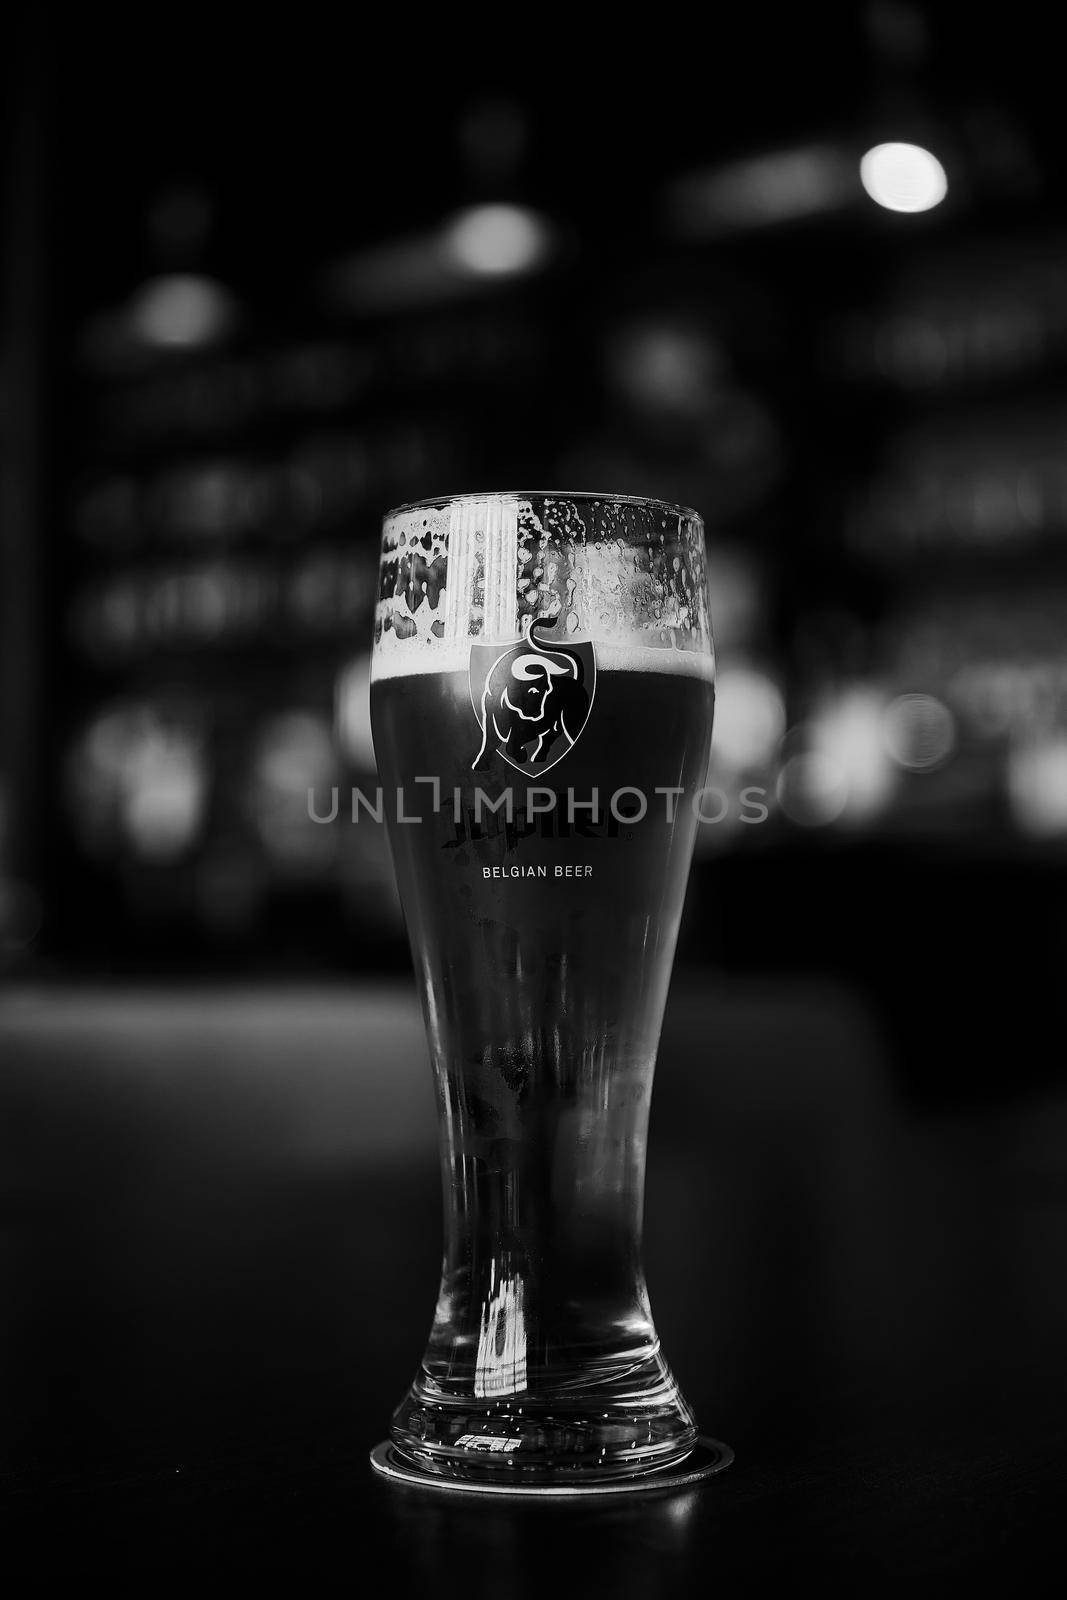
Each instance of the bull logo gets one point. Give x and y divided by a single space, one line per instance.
532 699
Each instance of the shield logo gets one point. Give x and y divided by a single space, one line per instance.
532 698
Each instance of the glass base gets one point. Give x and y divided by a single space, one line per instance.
613 1417
707 1457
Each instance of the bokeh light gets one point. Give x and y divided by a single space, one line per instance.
749 717
903 177
840 769
164 796
1037 785
138 777
181 311
812 790
919 732
294 754
497 240
352 710
847 732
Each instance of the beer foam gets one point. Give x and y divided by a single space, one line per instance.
417 658
627 576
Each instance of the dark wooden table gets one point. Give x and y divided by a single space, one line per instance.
219 1249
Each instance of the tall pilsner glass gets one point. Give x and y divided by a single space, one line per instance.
542 694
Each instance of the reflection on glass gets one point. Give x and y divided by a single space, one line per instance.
500 1365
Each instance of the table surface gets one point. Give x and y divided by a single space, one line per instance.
220 1242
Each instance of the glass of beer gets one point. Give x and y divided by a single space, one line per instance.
541 698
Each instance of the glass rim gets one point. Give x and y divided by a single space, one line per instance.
586 496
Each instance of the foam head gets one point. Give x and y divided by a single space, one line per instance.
628 575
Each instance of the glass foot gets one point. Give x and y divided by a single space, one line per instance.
707 1457
615 1417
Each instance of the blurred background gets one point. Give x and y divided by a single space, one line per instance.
808 275
256 293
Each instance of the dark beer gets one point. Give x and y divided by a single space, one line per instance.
543 922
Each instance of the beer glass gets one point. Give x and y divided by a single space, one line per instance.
541 699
